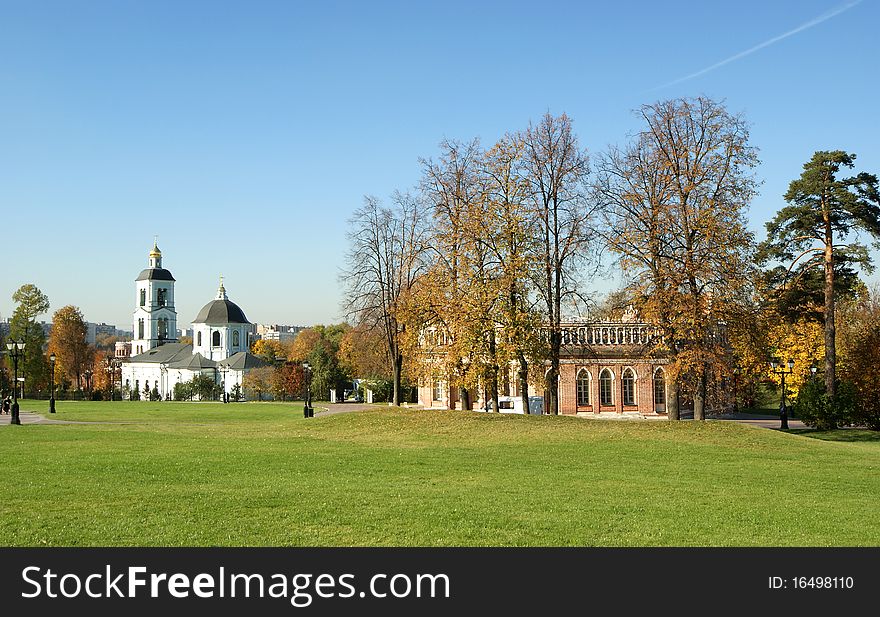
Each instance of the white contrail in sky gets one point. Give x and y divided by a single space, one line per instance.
767 43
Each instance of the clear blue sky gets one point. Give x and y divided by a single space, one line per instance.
245 133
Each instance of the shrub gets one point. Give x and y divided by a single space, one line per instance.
818 410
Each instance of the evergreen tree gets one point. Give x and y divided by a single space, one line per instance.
816 231
24 327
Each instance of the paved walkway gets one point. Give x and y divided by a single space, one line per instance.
332 409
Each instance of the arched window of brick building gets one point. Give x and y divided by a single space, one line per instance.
583 388
605 390
659 387
629 387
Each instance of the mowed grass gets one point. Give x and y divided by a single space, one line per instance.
204 474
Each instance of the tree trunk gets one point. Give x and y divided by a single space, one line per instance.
398 369
553 375
465 396
672 402
700 396
830 351
524 383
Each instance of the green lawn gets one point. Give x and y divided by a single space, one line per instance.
204 474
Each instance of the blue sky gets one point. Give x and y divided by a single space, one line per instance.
245 133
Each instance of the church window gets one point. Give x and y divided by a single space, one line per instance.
199 339
629 387
215 339
235 339
143 297
140 328
605 396
161 296
583 388
163 328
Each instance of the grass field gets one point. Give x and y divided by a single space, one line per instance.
206 474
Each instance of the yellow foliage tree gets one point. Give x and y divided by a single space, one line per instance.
802 342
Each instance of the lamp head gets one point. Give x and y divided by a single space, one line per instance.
52 357
790 364
773 364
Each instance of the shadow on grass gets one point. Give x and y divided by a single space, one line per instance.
853 435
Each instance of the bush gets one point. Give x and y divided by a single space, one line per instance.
818 410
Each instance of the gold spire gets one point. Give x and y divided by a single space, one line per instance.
155 252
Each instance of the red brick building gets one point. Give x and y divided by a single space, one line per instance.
605 368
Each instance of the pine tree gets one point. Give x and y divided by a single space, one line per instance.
812 232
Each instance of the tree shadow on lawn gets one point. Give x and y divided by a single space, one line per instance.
853 435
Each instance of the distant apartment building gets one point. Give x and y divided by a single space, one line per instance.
93 330
6 326
277 332
185 332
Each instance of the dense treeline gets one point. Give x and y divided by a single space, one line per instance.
476 268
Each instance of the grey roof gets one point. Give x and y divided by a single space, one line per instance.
169 352
243 360
154 274
194 362
221 312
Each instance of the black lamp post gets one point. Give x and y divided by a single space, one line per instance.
308 412
52 383
783 411
16 350
223 370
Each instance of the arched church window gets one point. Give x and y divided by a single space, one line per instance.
629 387
583 388
199 339
163 328
140 328
161 295
215 338
659 387
235 339
143 297
605 390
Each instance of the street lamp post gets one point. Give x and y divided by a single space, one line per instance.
223 370
52 383
16 350
783 411
308 412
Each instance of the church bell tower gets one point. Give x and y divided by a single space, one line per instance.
155 320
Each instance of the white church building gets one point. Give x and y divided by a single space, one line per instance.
222 336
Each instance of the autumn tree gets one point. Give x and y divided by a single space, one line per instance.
24 327
860 354
319 346
362 351
269 349
68 342
677 198
385 258
505 225
557 170
817 231
258 381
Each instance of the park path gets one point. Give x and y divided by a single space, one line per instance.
332 409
